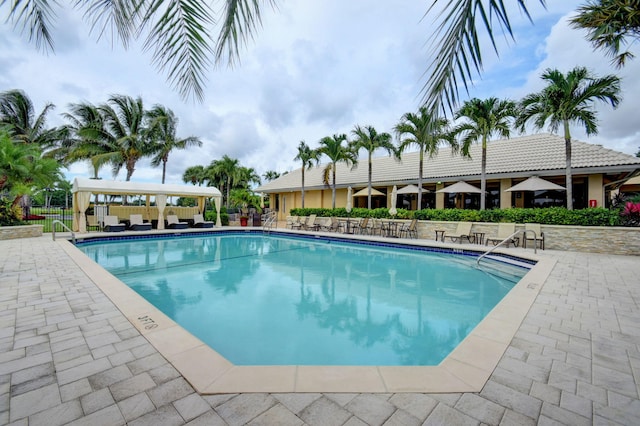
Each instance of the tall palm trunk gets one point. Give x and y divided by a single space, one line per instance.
370 175
333 189
420 180
303 186
164 169
483 174
568 178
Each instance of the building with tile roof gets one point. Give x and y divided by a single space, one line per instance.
596 172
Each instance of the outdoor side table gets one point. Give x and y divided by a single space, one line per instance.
440 235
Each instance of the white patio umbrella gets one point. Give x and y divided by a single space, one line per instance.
394 199
460 187
411 189
534 183
349 195
365 192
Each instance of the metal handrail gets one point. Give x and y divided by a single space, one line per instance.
510 237
53 230
269 220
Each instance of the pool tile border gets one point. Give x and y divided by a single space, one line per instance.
466 369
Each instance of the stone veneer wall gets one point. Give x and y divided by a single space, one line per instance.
23 231
593 239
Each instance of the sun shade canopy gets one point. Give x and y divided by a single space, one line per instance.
365 192
83 188
460 187
534 183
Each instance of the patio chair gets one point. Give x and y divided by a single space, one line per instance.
376 227
529 236
505 232
330 224
409 229
462 232
174 223
111 224
363 227
199 222
311 224
137 224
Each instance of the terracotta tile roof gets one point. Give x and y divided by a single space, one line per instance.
541 154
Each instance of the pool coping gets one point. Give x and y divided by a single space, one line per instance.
466 369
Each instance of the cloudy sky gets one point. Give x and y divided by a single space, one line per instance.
315 69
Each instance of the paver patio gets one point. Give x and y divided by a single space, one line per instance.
68 356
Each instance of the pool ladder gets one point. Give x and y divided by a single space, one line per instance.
509 238
268 221
53 230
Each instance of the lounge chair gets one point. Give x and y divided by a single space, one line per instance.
529 236
174 223
137 224
111 224
199 222
505 231
462 232
409 229
311 223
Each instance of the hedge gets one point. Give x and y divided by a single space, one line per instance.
546 216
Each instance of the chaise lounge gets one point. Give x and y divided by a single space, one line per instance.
505 232
174 223
199 222
111 224
136 223
463 231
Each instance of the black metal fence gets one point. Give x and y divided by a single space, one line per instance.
46 215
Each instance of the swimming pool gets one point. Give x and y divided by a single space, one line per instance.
311 301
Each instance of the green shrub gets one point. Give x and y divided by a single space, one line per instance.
210 215
546 216
10 215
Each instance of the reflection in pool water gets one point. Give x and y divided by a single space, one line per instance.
271 300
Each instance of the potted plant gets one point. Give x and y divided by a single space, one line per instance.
244 220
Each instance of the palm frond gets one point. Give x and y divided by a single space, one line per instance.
241 19
35 16
180 43
458 54
117 19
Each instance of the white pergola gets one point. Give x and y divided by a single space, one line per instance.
83 188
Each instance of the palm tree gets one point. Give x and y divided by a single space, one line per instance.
87 137
162 129
484 118
246 176
127 135
308 156
193 175
337 152
270 175
23 168
227 168
565 100
609 25
17 111
369 139
425 131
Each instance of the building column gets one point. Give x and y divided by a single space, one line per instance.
505 197
596 190
440 196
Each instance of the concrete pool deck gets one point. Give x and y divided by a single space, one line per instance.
68 355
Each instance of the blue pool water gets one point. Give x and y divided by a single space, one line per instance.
276 300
